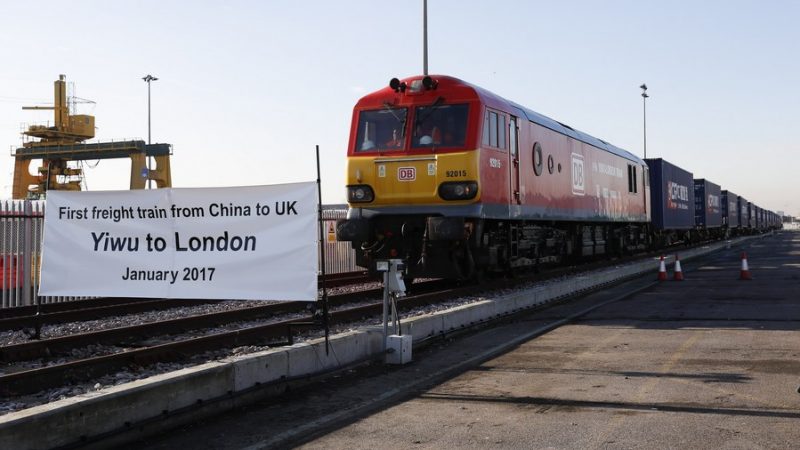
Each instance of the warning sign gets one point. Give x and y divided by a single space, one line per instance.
331 232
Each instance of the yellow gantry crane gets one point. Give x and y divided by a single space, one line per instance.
64 142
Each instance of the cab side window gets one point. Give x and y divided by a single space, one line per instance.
494 129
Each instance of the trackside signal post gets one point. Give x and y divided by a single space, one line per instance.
396 347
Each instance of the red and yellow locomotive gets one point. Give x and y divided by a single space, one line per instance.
456 180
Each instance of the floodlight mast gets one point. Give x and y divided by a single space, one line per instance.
643 87
148 78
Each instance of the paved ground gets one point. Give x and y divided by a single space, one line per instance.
710 362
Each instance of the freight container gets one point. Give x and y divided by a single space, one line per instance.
759 218
743 218
730 209
756 224
671 196
707 210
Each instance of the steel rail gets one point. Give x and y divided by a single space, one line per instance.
97 312
81 310
130 334
49 308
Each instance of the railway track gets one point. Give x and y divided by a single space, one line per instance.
81 310
345 279
278 332
118 307
130 335
50 308
34 380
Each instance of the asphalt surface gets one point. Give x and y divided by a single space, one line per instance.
709 362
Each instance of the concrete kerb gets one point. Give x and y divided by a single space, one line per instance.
259 368
467 315
422 327
72 420
120 407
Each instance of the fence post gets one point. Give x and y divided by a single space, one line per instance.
5 280
27 237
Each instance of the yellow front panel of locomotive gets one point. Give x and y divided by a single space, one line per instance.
412 180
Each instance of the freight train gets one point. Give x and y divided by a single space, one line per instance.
458 182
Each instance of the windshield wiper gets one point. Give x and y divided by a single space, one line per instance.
436 104
388 107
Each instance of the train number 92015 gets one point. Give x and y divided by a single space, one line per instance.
455 173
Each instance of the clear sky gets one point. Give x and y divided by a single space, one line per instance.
246 89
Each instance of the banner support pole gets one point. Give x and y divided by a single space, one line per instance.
322 257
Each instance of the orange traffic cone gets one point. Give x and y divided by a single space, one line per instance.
678 272
662 270
745 272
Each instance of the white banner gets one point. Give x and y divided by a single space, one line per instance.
255 243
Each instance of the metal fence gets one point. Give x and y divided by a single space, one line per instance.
339 256
22 224
20 250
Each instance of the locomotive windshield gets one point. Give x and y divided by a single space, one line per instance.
440 125
382 129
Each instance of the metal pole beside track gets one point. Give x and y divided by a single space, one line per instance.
644 115
27 236
385 311
322 255
149 179
425 37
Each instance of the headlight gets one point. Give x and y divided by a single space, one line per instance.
458 190
360 193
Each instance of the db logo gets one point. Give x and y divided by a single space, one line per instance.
578 175
406 173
